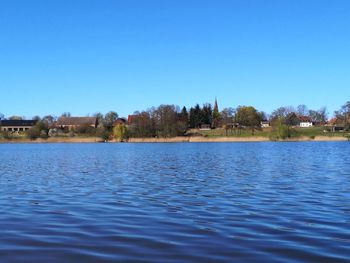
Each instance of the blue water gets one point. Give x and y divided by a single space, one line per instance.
205 202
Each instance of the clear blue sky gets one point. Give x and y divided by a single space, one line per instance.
85 56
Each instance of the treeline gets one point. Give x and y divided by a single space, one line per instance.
163 121
45 126
171 120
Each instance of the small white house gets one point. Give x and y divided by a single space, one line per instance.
306 124
265 124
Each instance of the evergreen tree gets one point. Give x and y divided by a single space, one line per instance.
216 116
207 114
195 117
184 117
183 114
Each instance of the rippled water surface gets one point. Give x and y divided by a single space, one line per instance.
205 202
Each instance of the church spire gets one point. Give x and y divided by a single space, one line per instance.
216 108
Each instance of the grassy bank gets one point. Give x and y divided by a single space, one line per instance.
75 139
296 133
217 135
177 139
233 139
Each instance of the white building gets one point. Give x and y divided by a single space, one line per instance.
265 124
306 124
16 125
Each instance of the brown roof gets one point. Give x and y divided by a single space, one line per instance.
333 121
305 119
76 121
120 121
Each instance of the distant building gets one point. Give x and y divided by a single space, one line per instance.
265 124
216 107
335 125
74 122
17 125
205 127
305 122
120 121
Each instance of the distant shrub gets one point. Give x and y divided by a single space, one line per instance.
6 135
106 135
99 131
283 131
273 137
120 132
86 129
43 134
33 133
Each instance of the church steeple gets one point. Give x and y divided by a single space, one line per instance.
216 108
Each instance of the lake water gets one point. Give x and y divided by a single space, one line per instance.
194 202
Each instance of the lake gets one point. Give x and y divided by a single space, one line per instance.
181 202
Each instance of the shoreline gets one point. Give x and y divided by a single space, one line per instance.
235 139
55 140
179 139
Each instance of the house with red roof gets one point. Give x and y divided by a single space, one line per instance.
305 122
